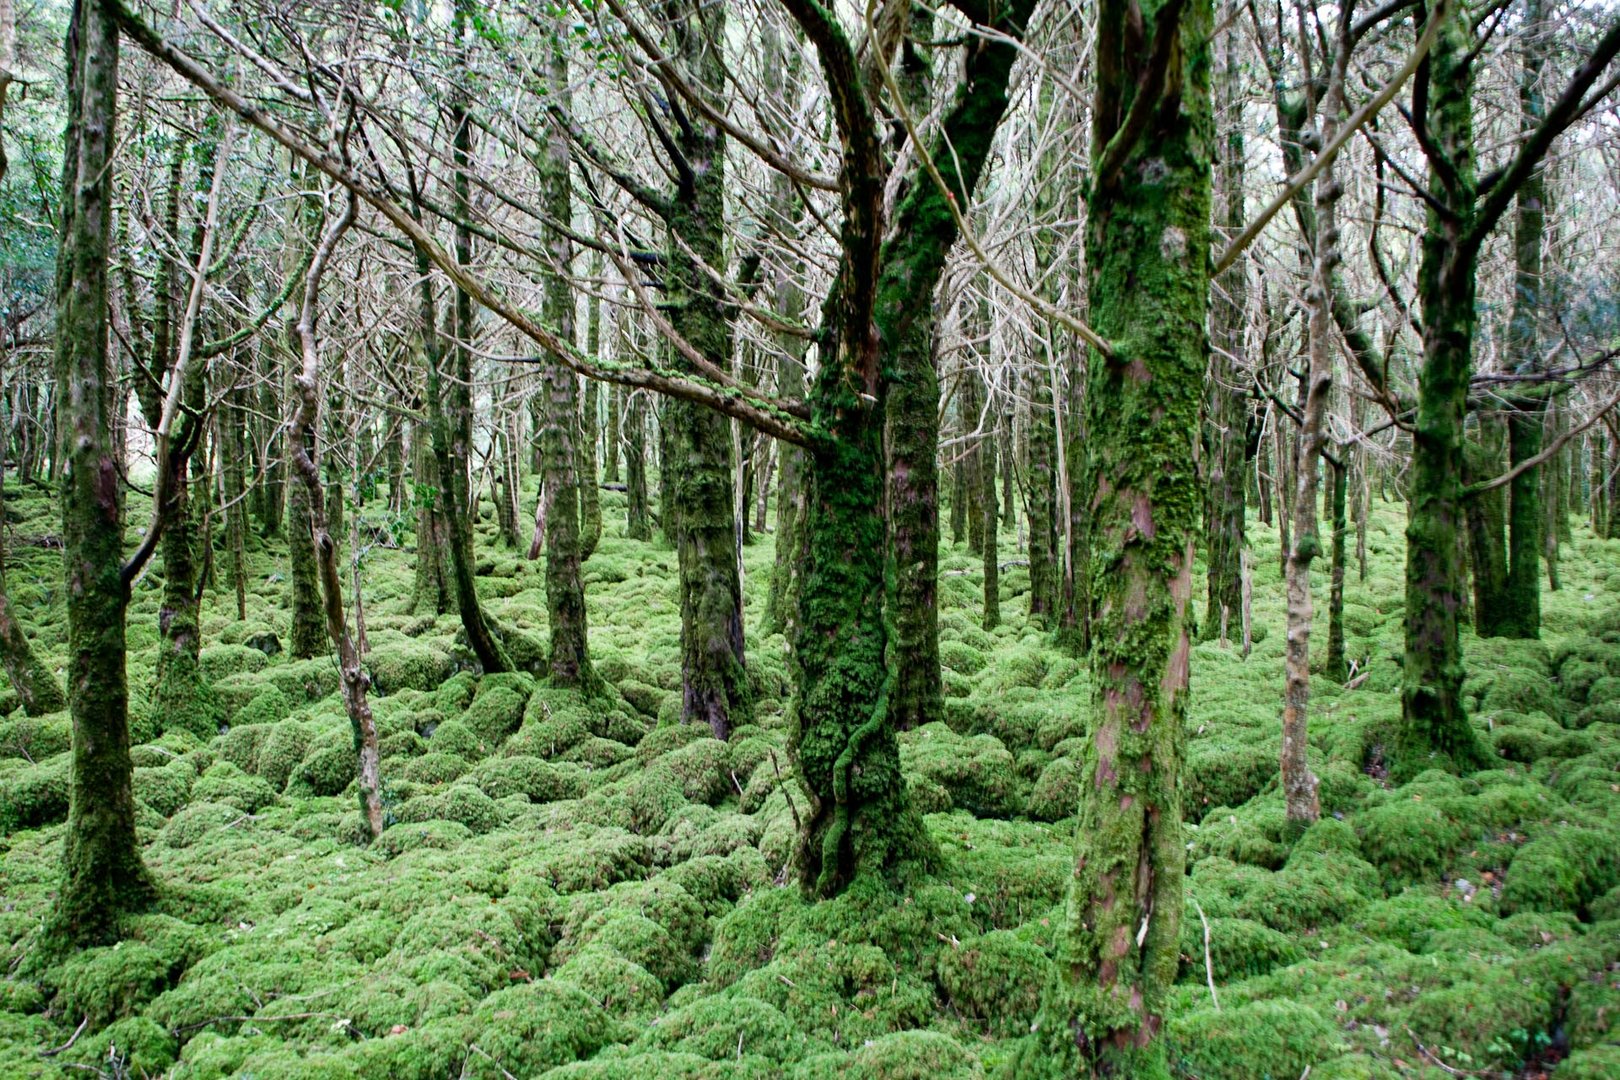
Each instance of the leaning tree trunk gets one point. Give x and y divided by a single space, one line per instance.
1147 256
301 433
36 687
104 879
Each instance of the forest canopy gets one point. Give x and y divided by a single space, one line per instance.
735 539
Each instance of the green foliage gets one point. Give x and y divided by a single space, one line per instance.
1256 1041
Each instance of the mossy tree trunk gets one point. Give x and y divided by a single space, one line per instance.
569 662
696 466
431 592
1521 601
638 517
1486 517
971 411
233 453
450 408
590 493
610 437
307 632
1043 500
1147 244
842 736
1334 666
104 878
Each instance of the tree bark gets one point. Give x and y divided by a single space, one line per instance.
104 879
1147 244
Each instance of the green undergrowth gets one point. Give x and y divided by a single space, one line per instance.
577 887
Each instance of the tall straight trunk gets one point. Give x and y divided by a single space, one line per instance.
1609 474
912 443
971 408
842 735
1434 723
569 663
307 636
992 521
1147 257
1300 801
394 457
1334 667
233 481
1043 502
1074 594
1227 438
1486 517
590 492
696 466
959 499
271 507
104 879
638 517
433 590
1594 483
611 437
450 407
782 78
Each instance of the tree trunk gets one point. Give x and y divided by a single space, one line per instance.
1335 667
1227 439
992 519
1434 723
1486 517
570 660
638 518
36 687
1146 254
104 878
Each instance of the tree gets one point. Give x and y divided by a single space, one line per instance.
1147 240
104 879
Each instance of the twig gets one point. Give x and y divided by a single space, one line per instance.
1209 964
786 794
76 1033
480 1050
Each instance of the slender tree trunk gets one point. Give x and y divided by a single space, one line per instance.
36 687
1486 517
972 410
992 519
104 878
1227 439
590 493
570 660
301 435
638 518
1147 245
1335 666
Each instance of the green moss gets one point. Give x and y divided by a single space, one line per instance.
1594 1063
1314 889
461 803
35 738
165 789
435 768
1056 795
1226 772
541 781
904 1055
326 772
621 986
527 1029
1562 870
408 665
977 772
495 713
225 783
112 982
455 737
1409 839
35 795
1255 1041
726 1026
221 661
996 979
587 859
1238 949
132 1047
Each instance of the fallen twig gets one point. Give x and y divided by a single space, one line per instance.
76 1033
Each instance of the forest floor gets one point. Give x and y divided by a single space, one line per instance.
589 888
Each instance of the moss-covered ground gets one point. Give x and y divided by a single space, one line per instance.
577 888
